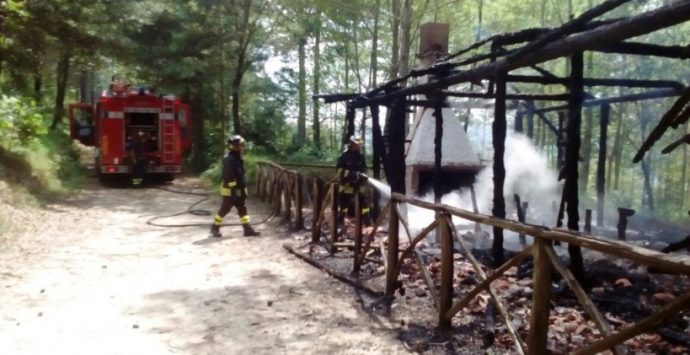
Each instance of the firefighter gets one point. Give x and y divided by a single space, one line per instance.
233 188
136 152
351 170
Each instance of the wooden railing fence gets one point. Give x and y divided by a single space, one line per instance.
283 187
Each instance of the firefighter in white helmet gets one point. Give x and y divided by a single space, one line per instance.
351 170
233 188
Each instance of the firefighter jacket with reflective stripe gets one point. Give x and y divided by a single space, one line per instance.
233 175
349 164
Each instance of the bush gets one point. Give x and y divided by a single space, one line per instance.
44 163
20 122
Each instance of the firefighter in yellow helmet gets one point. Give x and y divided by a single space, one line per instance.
233 188
351 170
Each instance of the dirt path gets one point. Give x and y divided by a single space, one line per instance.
89 276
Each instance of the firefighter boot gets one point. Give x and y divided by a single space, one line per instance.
249 231
215 231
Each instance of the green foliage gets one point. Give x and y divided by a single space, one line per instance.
44 163
20 121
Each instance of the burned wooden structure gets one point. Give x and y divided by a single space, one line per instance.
524 49
447 74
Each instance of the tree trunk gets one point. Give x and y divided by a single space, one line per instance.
38 86
572 158
196 103
61 86
618 149
405 38
684 174
316 79
302 93
499 128
395 40
647 191
236 87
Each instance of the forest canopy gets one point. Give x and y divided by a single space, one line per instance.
251 67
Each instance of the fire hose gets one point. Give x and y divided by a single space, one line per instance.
196 212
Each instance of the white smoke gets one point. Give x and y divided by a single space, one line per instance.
527 174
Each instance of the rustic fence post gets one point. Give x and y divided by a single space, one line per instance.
358 233
287 194
299 203
316 210
446 294
393 229
334 218
259 178
541 294
588 221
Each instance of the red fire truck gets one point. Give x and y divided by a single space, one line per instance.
120 115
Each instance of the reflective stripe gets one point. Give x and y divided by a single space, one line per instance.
344 210
347 189
224 191
365 210
217 220
112 114
232 183
244 219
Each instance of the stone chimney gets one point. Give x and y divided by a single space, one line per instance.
459 162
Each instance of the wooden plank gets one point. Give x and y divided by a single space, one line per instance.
333 273
502 309
372 234
420 263
334 218
447 267
299 201
585 301
651 322
485 284
357 261
413 243
392 255
541 300
670 263
317 203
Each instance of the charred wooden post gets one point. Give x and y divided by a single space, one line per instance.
604 112
317 203
334 217
288 184
299 201
475 208
541 304
521 217
499 129
392 254
376 157
357 264
396 146
572 160
623 214
446 292
350 118
560 144
529 113
277 193
588 221
518 122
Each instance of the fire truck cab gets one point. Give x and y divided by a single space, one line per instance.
121 115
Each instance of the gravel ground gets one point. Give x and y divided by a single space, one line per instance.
89 276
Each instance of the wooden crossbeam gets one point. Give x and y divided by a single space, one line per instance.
648 257
502 309
485 284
